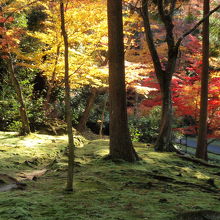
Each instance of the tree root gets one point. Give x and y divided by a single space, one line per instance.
209 188
174 181
198 161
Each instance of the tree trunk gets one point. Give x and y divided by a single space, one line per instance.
25 129
120 141
69 186
103 116
84 118
201 151
136 105
51 84
164 77
164 139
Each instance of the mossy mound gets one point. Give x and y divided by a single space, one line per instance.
158 187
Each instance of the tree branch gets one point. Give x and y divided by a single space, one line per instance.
196 26
166 17
172 7
211 141
149 37
31 3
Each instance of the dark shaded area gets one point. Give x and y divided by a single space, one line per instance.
40 85
35 19
95 127
199 215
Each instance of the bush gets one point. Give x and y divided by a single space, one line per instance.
145 129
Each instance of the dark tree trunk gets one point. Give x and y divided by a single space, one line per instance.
201 151
89 104
164 77
120 141
69 186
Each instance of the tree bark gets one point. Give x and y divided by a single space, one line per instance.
201 150
120 141
84 118
69 186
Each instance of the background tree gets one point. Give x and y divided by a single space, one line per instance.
165 70
71 146
201 150
89 104
87 47
120 142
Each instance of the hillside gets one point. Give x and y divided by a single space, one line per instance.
160 186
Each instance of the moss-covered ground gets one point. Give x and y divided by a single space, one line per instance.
158 187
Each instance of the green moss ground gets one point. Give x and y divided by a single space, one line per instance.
103 189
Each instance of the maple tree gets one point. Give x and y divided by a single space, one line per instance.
186 91
86 44
187 99
87 48
165 71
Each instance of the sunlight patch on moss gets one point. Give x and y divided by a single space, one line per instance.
200 175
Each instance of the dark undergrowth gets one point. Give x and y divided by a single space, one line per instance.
159 187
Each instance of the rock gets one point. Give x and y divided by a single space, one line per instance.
8 183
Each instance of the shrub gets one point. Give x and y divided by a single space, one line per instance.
145 129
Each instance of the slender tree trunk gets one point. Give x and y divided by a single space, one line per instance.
25 129
103 116
201 151
69 186
120 141
136 105
90 102
51 84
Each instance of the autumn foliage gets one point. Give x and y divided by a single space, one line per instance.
86 24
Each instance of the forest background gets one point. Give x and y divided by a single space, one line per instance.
31 42
43 43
